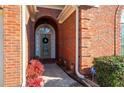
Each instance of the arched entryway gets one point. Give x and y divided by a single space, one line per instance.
45 41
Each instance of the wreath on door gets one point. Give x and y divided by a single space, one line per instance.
45 40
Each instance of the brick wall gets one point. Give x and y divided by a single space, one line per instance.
67 36
41 12
96 38
12 45
30 39
97 34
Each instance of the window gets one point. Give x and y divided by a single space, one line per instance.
122 33
44 30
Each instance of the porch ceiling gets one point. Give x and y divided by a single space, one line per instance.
60 7
66 12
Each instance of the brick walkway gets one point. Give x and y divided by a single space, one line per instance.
56 77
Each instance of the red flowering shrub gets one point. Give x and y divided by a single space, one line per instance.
36 82
34 74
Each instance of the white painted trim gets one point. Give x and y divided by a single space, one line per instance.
51 6
27 15
96 5
32 11
23 46
66 12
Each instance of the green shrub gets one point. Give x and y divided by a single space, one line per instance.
110 71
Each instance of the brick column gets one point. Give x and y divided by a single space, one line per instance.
85 38
12 45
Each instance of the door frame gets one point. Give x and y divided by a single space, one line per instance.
53 41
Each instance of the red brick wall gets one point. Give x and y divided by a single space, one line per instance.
97 34
41 12
47 12
30 38
67 31
12 45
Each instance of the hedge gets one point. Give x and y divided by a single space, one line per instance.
110 71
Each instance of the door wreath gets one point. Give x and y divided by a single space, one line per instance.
45 40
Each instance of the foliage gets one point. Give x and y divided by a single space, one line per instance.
34 74
110 71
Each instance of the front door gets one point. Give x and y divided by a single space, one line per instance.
45 46
45 42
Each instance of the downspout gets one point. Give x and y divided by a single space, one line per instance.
88 82
115 30
77 46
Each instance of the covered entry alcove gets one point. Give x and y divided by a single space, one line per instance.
45 38
45 41
51 33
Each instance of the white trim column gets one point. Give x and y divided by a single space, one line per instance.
23 46
32 11
66 12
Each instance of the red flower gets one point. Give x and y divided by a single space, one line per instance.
37 82
34 70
